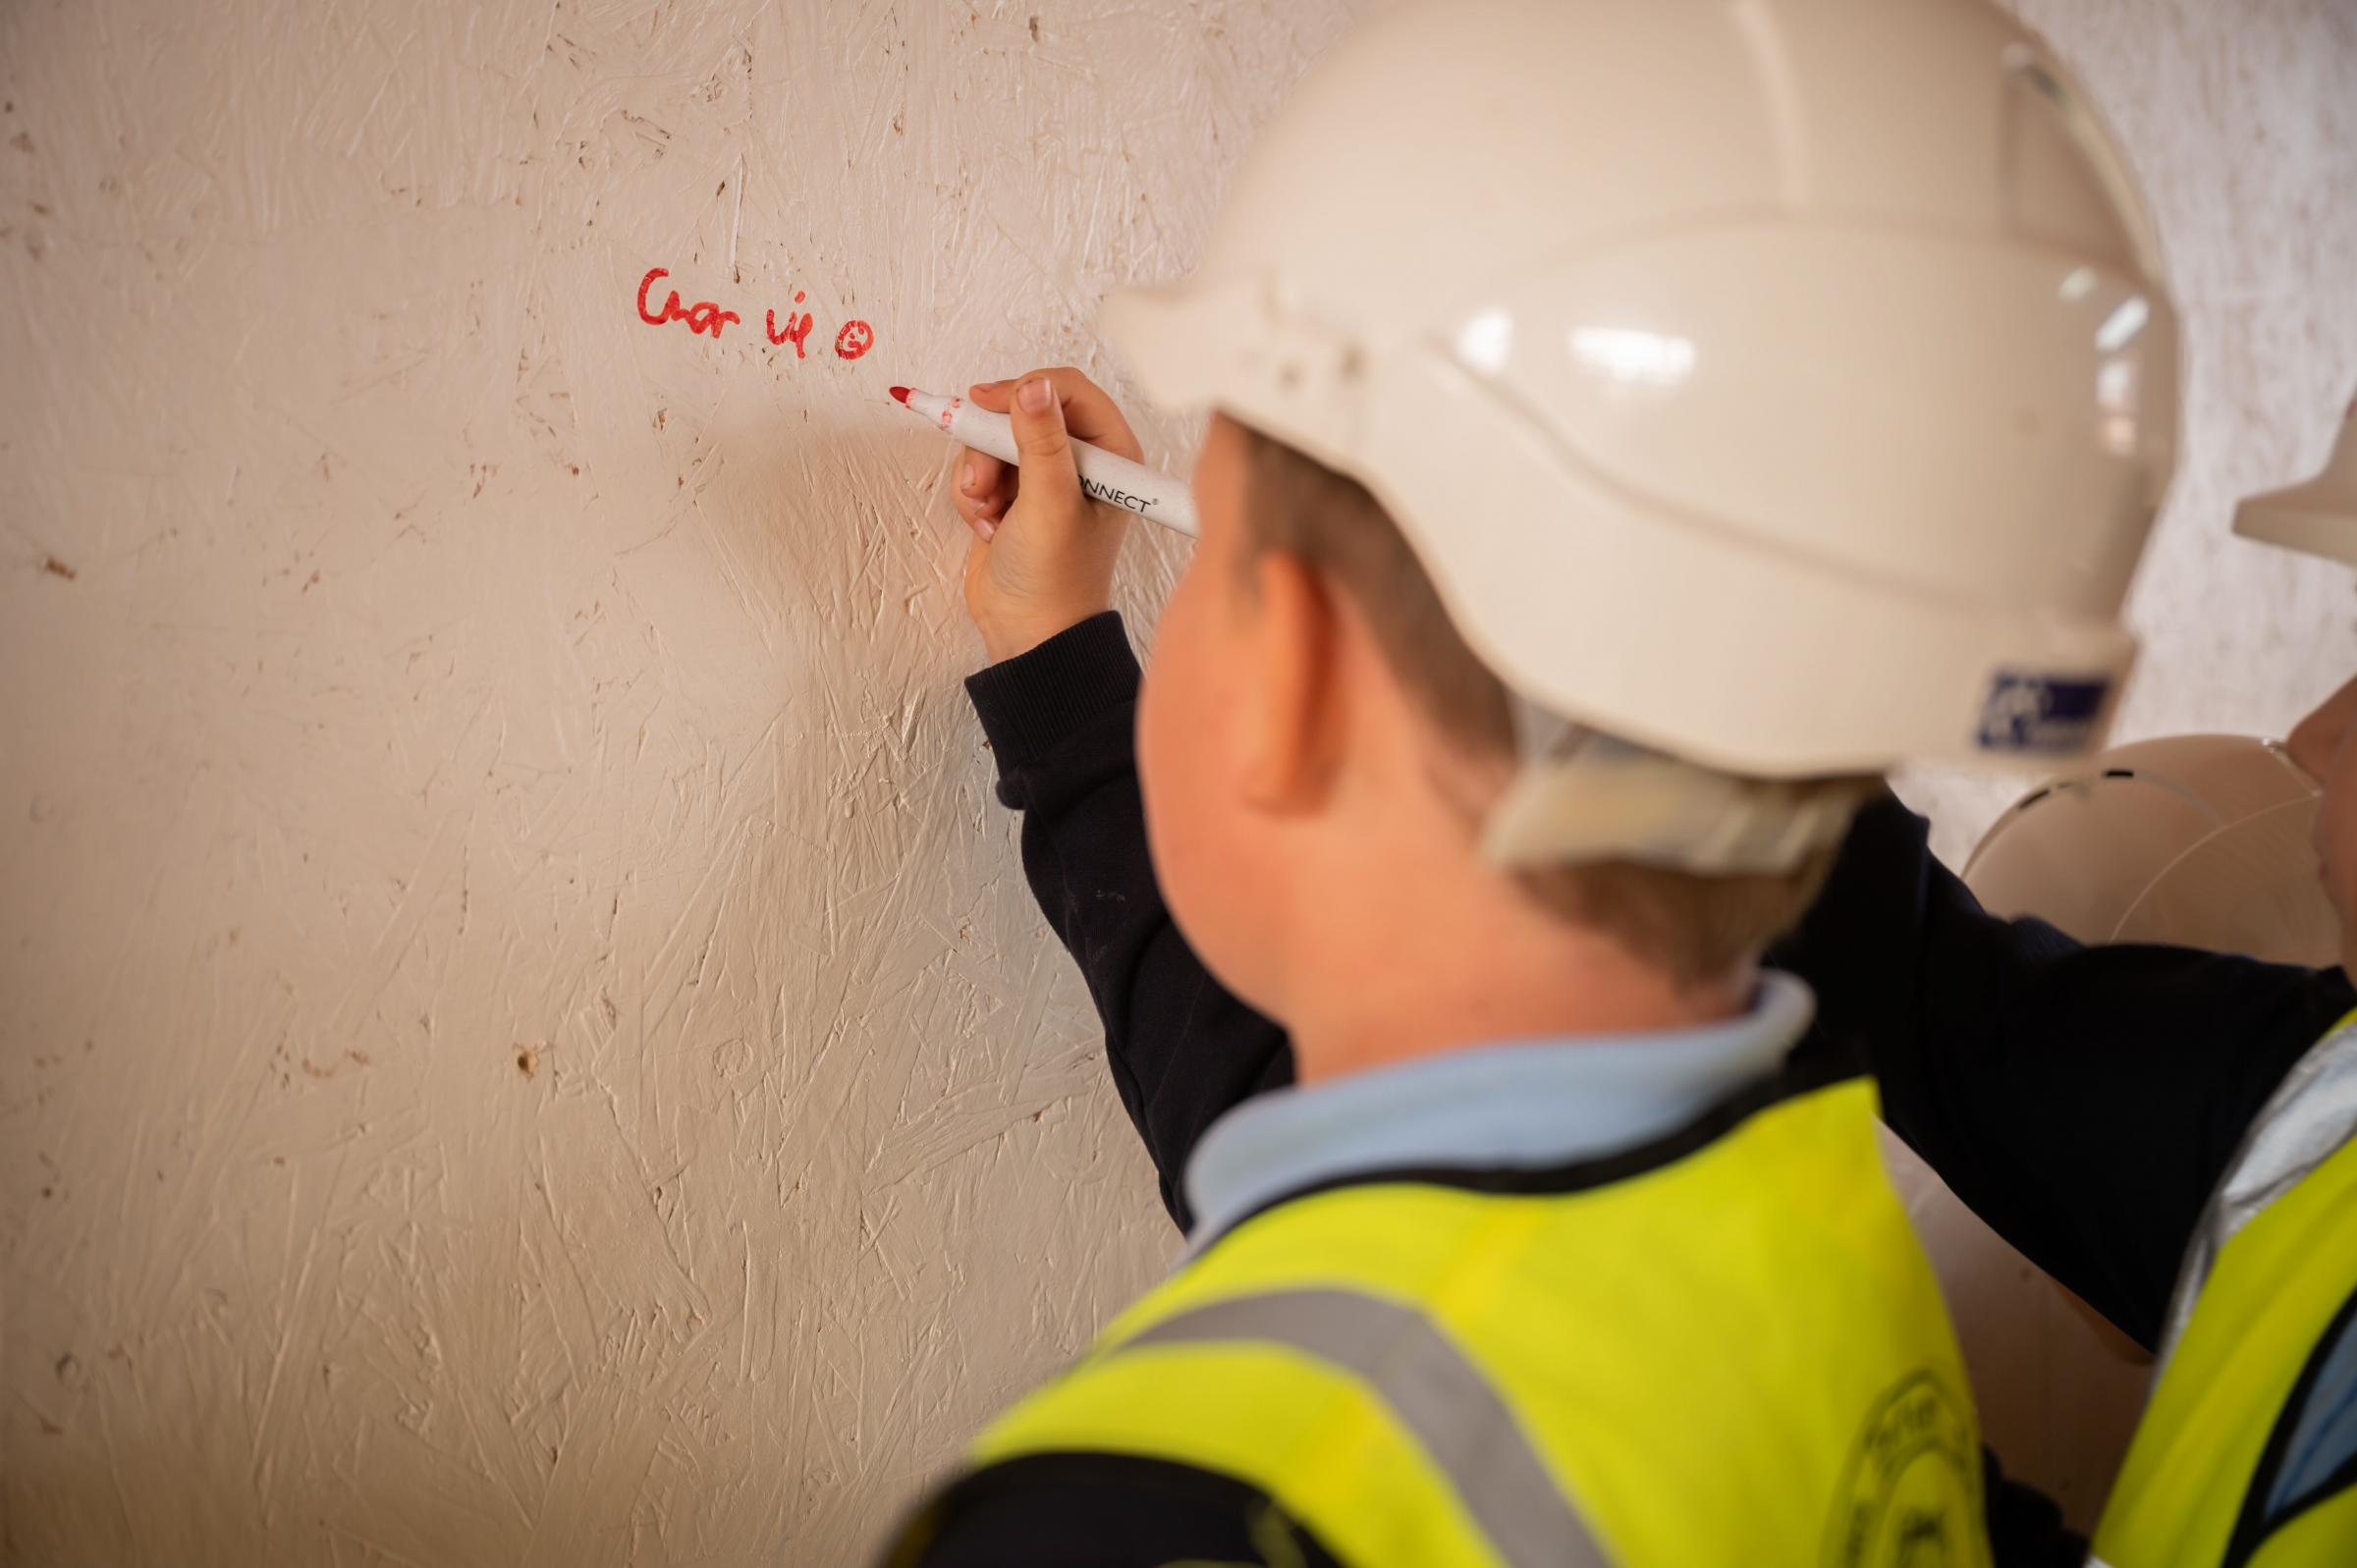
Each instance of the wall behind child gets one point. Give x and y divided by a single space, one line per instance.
525 1040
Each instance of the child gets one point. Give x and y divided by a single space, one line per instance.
1573 555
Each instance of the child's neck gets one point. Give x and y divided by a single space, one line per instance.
1380 1014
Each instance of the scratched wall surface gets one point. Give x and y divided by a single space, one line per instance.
524 1039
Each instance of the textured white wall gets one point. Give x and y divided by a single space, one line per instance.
524 1039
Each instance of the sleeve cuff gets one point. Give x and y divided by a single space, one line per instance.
1028 704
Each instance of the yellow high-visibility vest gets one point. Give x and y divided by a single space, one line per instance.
1731 1350
2234 1463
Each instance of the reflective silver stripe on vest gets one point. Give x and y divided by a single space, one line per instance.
1436 1394
2304 1122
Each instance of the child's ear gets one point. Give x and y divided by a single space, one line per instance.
1289 721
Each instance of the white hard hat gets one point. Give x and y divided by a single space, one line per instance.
1785 385
2195 841
2319 517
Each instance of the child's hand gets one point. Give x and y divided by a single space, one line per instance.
1043 554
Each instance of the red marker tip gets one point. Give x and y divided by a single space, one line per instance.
900 392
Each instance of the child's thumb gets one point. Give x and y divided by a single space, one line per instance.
1045 450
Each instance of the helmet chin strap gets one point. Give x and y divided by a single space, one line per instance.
1582 796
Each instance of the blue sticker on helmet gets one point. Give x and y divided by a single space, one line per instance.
2026 711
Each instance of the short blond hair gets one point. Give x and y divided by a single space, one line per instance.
1693 927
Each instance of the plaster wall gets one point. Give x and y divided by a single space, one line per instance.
526 1041
524 1038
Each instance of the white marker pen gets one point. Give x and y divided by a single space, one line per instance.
1114 480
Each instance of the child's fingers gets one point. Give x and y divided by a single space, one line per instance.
1089 413
968 506
1045 446
996 505
991 504
978 484
981 512
981 475
982 524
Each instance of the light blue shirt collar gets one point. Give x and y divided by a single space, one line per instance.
1523 1105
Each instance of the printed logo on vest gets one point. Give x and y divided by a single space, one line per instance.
2026 712
1910 1493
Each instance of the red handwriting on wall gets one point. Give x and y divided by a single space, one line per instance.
706 316
797 327
852 340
